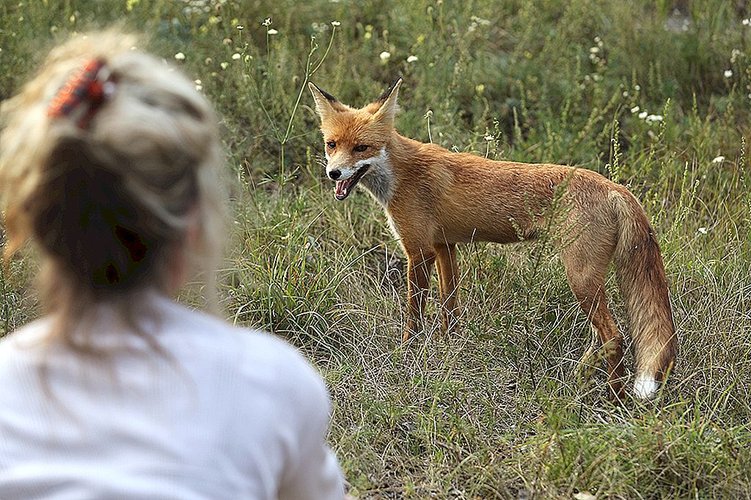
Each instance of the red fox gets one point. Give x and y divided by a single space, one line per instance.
435 198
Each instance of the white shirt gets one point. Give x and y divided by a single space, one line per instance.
225 413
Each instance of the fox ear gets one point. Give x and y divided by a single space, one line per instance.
387 110
326 104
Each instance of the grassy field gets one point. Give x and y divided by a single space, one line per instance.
655 99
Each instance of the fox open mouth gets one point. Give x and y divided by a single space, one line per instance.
345 187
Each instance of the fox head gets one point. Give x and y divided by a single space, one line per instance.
355 142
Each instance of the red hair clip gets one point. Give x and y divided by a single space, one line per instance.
84 86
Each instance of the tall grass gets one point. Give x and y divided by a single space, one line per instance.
514 405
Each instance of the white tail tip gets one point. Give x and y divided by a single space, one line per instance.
645 386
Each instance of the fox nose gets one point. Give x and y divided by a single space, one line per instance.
335 174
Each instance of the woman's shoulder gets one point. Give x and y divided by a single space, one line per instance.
25 338
252 353
185 322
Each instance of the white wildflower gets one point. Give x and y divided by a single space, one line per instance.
702 230
266 22
236 56
199 85
272 31
584 495
718 159
385 56
594 50
746 22
643 115
412 59
634 110
489 138
224 65
335 24
180 56
240 27
728 73
654 118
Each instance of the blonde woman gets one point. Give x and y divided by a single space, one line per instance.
109 162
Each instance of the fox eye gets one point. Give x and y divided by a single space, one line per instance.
331 144
360 148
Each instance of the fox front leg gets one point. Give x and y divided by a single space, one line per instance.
448 276
419 268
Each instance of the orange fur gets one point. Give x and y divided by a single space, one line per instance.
435 199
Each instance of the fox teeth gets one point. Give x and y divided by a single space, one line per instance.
342 189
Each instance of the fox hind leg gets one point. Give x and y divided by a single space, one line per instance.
591 297
586 264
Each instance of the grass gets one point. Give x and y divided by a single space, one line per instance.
506 408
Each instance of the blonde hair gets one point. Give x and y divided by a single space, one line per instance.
110 202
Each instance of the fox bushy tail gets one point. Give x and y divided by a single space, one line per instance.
644 287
